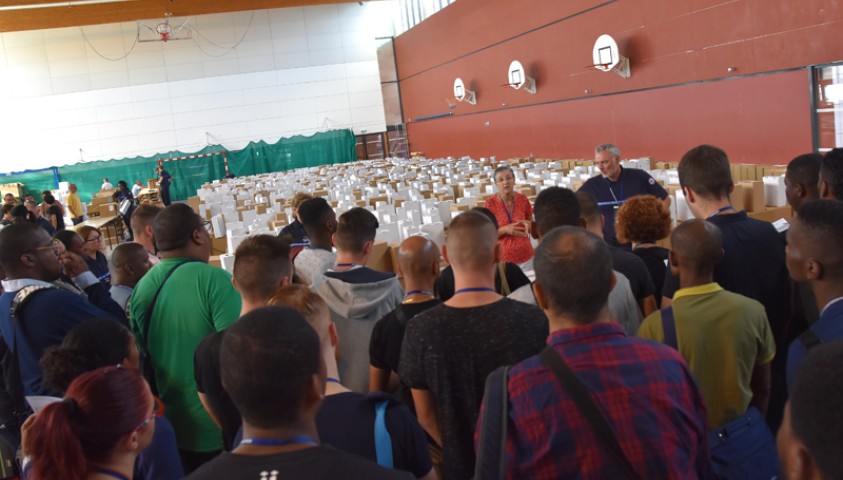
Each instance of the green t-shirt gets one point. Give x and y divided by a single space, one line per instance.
197 300
722 336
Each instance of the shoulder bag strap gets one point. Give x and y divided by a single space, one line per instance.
383 442
585 404
809 339
669 328
491 448
147 318
399 315
504 284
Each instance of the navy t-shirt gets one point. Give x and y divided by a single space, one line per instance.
611 195
346 421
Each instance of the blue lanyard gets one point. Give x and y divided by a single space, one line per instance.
505 209
278 442
413 292
474 289
617 200
719 211
332 380
111 473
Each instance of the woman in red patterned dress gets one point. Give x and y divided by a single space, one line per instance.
515 218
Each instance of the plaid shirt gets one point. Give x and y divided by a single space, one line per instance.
644 389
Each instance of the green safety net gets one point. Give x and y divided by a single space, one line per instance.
335 146
35 181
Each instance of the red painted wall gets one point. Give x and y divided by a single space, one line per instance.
680 93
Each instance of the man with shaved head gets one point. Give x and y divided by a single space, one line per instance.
644 391
418 261
449 349
725 337
129 263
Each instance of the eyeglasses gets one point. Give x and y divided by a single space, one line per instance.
95 239
206 224
157 411
55 245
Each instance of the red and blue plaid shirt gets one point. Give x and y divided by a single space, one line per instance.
645 390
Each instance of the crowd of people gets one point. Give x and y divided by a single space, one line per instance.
623 358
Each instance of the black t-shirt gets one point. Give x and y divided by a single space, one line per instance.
99 267
295 232
360 275
206 372
55 211
450 351
635 270
347 421
514 277
754 266
655 259
317 463
385 344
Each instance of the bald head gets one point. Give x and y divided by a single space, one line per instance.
697 245
471 242
418 258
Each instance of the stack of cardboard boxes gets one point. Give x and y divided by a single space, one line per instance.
102 204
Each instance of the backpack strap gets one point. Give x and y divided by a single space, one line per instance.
669 328
383 441
809 339
491 445
15 386
504 283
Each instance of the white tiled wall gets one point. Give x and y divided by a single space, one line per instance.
296 71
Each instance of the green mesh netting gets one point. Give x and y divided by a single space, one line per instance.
336 146
35 181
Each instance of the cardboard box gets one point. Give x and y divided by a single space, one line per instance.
753 195
152 183
108 209
215 261
219 246
772 214
381 257
737 198
194 203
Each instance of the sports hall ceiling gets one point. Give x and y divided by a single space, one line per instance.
40 14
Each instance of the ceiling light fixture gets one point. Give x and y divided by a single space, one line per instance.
72 3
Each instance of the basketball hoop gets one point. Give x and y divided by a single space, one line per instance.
164 30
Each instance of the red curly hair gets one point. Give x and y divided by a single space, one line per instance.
642 219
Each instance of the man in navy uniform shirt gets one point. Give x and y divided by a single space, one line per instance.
616 184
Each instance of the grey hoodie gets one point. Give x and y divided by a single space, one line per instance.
355 308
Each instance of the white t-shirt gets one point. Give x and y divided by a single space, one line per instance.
107 186
136 190
311 262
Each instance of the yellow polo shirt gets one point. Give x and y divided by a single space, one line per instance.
722 336
74 205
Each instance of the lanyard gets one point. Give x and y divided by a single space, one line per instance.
719 211
423 292
617 201
111 473
332 380
350 265
278 442
474 289
506 209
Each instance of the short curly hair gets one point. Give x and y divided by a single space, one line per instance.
642 219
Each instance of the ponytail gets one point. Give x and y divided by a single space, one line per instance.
100 408
55 448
